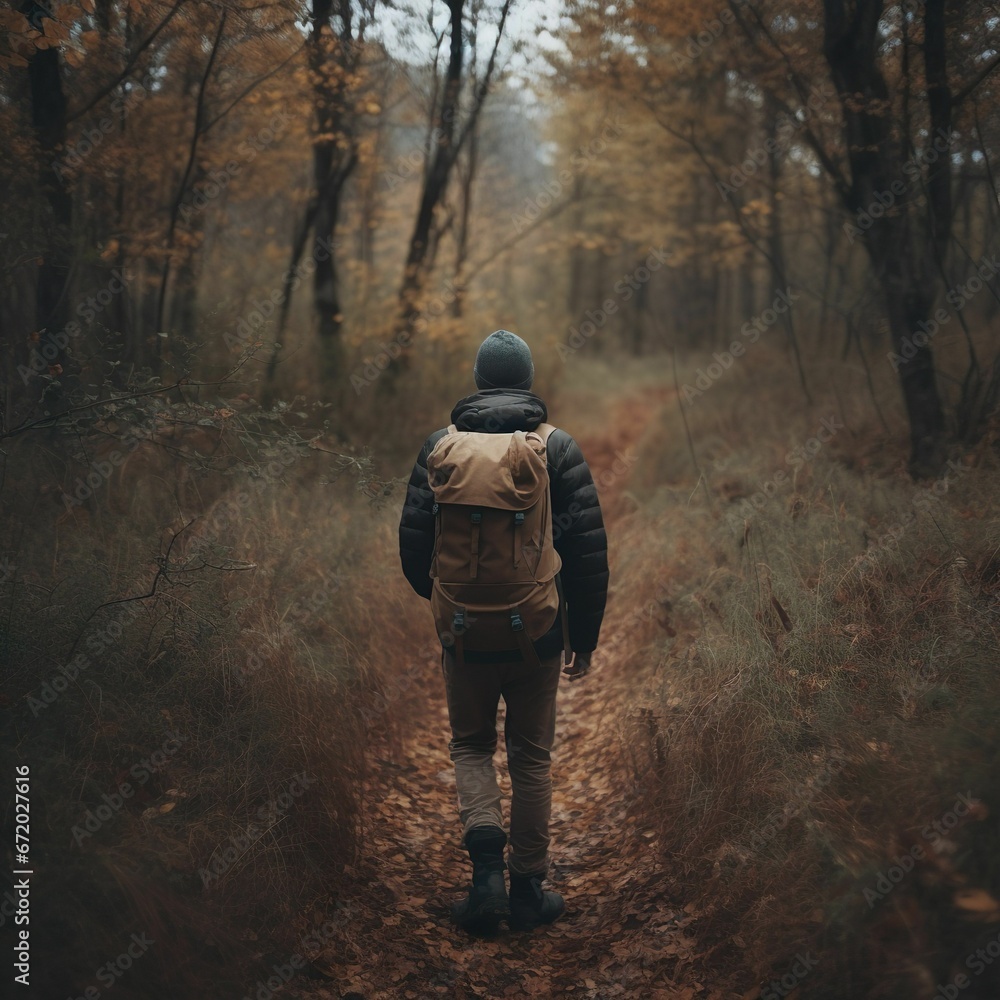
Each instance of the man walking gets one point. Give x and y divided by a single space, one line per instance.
521 667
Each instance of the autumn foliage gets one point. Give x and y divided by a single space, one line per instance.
248 251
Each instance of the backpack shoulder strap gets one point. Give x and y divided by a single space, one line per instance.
543 431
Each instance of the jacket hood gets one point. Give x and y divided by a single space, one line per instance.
499 411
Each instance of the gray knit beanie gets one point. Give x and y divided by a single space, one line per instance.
503 362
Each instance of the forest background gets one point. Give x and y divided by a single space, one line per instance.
248 252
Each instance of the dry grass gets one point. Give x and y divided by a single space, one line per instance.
256 652
820 684
814 676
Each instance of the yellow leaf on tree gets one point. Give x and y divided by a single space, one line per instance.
976 901
67 12
12 20
55 30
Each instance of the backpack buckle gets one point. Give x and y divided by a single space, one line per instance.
519 518
458 622
516 624
435 508
477 516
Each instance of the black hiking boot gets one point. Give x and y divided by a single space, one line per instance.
530 904
486 904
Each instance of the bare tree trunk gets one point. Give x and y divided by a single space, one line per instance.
332 60
48 117
898 254
436 179
423 241
464 220
777 255
326 298
829 261
368 213
189 169
467 179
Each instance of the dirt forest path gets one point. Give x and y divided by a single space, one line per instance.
624 934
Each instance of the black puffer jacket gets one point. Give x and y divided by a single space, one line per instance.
578 527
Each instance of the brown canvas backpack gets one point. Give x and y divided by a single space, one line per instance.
495 568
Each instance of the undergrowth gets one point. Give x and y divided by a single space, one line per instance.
819 657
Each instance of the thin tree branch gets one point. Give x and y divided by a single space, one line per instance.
54 418
189 167
483 89
161 571
512 241
813 140
252 87
129 66
962 94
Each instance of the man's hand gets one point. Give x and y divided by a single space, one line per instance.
579 667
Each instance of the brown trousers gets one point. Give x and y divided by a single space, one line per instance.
529 693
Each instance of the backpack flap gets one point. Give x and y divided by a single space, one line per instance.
505 471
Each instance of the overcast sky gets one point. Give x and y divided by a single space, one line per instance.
532 23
